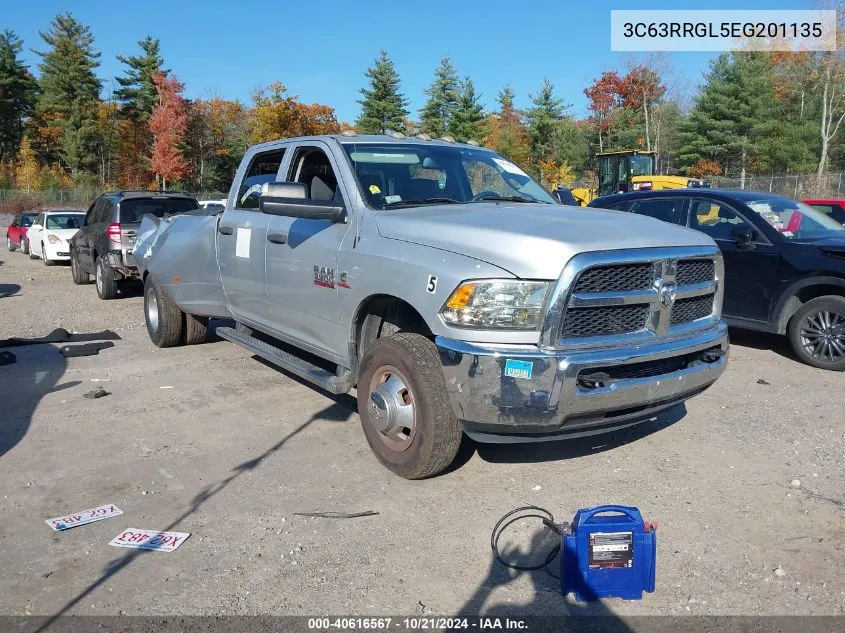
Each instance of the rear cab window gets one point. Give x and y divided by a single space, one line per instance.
666 209
132 210
263 168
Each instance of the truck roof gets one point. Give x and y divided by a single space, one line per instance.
346 139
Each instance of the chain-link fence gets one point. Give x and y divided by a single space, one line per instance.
799 186
80 197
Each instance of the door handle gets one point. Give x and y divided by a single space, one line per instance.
225 230
277 238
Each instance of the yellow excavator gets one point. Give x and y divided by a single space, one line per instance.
631 170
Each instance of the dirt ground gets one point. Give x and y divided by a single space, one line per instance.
747 486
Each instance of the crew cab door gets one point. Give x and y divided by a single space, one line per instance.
751 269
242 236
303 280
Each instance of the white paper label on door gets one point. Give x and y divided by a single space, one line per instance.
242 243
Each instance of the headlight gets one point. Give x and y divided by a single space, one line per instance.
497 305
54 239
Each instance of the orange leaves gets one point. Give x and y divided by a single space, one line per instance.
168 124
276 115
704 168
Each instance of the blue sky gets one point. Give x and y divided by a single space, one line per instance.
321 49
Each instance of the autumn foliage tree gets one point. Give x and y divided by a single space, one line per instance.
168 124
277 115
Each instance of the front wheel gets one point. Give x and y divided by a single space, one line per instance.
404 407
29 251
24 246
44 258
817 333
9 246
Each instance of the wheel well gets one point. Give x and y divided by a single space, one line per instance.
801 297
382 315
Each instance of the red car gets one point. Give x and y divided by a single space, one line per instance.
834 208
16 233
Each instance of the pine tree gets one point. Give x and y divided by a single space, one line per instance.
436 114
543 117
383 106
18 90
508 113
70 90
467 119
734 115
137 90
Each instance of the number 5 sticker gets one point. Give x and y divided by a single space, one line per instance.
432 284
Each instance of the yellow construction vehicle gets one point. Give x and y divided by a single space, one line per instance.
631 170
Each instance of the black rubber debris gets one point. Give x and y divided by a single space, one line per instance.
88 349
61 335
96 393
7 358
760 381
337 515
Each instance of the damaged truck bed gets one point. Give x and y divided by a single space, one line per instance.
181 251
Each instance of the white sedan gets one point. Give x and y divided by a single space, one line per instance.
50 233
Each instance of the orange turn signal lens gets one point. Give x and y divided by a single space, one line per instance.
461 297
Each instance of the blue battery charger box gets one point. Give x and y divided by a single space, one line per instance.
610 552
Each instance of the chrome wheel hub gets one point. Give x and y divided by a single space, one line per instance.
152 308
823 335
391 409
99 277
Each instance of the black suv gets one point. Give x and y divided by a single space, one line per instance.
784 262
103 247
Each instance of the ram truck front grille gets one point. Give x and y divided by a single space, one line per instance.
643 298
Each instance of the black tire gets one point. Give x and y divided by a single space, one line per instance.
196 329
9 246
24 246
433 441
80 277
106 283
164 319
47 262
817 333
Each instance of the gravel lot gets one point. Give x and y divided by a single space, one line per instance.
747 487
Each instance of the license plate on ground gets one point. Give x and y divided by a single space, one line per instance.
86 516
136 538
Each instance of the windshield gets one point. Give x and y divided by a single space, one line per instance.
65 221
403 175
795 220
641 165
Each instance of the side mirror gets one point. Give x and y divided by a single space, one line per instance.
744 236
290 199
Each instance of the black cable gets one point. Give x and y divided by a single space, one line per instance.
548 520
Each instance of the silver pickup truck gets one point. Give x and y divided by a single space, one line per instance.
448 286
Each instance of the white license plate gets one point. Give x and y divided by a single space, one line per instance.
149 539
86 516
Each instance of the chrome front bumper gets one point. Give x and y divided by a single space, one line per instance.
560 398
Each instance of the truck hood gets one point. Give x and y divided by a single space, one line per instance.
531 241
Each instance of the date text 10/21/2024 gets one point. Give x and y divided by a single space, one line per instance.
416 623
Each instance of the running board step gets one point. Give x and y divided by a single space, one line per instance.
287 361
